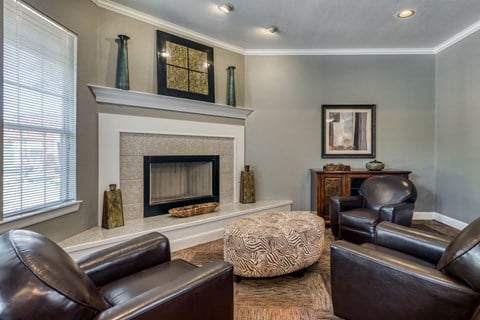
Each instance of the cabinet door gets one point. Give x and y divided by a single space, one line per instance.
329 186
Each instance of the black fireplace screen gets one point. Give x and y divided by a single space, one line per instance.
175 181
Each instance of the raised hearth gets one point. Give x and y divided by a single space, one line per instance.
182 232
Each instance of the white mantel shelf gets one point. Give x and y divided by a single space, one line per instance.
155 101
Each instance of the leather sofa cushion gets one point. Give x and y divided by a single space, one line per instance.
124 289
462 256
36 272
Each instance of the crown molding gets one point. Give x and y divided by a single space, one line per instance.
165 25
336 52
456 38
174 28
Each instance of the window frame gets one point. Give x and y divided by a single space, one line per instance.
48 211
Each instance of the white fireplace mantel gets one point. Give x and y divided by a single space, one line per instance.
155 101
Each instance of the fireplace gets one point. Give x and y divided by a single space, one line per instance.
175 181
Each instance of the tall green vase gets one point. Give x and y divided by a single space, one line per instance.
231 101
122 79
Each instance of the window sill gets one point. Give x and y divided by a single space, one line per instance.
32 218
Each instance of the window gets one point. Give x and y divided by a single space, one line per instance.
39 112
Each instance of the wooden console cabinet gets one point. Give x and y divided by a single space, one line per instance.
326 184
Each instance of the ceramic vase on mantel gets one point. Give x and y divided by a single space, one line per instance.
231 101
247 186
122 79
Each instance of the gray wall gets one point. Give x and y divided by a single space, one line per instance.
96 29
457 133
284 132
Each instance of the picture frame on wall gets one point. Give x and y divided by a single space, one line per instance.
184 68
348 131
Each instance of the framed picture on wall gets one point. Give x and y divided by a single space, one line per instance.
184 68
348 131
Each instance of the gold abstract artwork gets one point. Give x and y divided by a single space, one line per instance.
177 78
177 55
187 69
199 82
197 60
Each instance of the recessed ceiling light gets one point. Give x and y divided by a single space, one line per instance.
226 7
271 29
405 13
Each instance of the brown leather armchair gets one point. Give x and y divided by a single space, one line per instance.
408 274
382 198
133 280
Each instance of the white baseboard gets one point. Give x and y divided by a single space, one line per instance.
440 218
424 215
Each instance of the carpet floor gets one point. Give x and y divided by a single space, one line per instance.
287 297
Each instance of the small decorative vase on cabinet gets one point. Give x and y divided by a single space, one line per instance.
375 165
231 101
112 208
247 186
122 79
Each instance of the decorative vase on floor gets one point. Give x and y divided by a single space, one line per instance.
247 186
112 208
122 79
231 86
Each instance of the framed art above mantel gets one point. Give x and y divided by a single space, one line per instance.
348 131
184 68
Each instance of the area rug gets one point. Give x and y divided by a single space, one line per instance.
286 297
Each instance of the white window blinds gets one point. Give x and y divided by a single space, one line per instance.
39 111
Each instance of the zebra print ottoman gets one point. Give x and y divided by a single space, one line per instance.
274 243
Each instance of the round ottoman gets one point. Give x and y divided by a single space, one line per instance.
274 243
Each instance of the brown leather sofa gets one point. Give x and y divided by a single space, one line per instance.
382 198
408 274
133 280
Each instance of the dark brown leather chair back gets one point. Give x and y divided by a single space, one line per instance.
39 278
382 190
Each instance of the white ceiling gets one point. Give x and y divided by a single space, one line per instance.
308 25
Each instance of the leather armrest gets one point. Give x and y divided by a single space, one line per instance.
342 203
203 293
400 213
339 204
115 262
385 286
422 244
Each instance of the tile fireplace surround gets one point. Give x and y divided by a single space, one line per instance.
125 139
133 146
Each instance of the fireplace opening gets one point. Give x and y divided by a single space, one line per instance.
176 181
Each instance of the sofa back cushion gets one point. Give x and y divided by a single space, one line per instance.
382 190
462 256
41 281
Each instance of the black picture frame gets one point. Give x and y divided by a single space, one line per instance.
184 68
348 131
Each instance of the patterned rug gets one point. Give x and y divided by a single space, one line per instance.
286 297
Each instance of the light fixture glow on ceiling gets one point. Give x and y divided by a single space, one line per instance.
405 13
226 7
271 29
